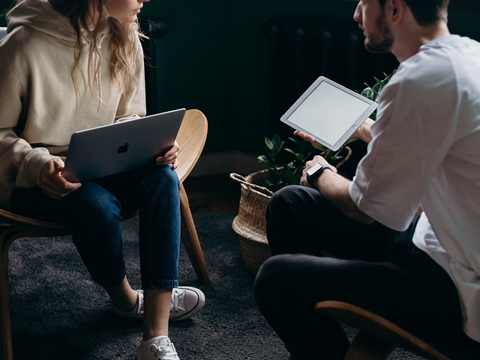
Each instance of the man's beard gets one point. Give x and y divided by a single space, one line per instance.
382 41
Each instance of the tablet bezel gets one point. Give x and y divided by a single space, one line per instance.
372 105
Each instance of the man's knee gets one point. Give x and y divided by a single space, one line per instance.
297 201
285 197
285 202
272 277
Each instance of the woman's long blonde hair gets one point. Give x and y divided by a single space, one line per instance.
124 60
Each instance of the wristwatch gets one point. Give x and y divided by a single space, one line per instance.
315 171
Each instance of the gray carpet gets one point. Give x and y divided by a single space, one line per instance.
59 313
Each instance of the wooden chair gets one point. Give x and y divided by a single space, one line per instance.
191 137
378 337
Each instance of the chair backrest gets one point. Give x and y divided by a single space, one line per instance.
191 138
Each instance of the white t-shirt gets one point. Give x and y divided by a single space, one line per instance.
426 152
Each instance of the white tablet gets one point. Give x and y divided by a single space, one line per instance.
329 112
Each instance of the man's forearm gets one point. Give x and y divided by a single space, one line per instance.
335 188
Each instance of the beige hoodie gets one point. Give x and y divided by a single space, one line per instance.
39 109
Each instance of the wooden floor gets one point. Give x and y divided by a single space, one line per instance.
216 193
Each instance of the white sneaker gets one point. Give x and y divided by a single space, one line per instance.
137 312
161 348
186 302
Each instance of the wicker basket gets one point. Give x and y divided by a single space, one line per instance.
249 224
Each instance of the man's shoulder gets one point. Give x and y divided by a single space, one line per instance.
418 77
446 56
439 64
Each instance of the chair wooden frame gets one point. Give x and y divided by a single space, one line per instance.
377 337
191 137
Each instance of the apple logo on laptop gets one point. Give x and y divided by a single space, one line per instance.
123 148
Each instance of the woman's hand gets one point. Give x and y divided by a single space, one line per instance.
52 182
170 157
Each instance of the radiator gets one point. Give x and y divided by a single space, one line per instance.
302 49
154 29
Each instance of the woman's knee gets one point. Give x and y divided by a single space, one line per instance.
92 204
161 174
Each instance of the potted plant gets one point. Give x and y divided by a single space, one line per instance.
258 187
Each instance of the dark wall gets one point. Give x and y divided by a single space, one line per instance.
215 58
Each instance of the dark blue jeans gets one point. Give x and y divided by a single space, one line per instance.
371 266
94 212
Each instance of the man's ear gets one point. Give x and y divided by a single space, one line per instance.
395 10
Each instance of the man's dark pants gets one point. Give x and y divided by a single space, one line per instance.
370 266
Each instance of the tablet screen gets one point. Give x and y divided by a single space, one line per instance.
329 112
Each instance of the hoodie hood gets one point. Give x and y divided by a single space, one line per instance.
40 15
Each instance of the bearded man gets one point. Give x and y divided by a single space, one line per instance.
418 269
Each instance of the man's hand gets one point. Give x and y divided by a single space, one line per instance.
306 137
363 133
53 183
170 157
317 159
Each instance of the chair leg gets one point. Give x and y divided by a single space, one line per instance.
367 347
191 241
6 349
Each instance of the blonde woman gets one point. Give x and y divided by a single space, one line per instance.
68 65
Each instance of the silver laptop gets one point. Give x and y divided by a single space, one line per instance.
3 32
119 147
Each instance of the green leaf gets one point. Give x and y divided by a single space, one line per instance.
277 145
262 158
297 141
320 148
297 155
269 143
379 82
276 139
368 93
349 141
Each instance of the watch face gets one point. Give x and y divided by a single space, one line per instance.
314 169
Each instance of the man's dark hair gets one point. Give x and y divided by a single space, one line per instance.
425 12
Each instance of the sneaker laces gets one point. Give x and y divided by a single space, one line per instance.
163 351
178 300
